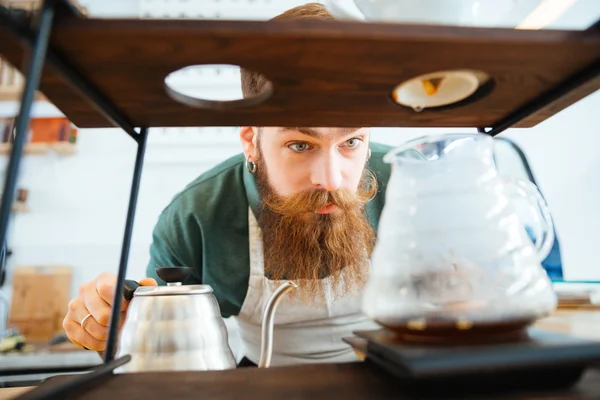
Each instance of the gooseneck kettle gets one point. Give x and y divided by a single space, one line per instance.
179 327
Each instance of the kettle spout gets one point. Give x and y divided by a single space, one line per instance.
266 347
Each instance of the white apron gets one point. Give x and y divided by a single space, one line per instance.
303 333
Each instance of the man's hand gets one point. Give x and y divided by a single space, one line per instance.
95 299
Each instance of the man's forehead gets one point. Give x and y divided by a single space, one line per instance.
320 132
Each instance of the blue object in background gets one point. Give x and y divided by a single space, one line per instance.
552 263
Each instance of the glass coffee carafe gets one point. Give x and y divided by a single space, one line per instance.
459 248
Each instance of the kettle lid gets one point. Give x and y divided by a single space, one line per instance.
174 277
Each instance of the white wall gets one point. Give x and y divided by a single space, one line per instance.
564 153
78 203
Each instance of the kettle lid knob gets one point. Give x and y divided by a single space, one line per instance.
173 274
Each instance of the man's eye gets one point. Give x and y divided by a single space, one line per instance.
299 147
354 142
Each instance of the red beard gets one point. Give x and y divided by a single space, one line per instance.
302 244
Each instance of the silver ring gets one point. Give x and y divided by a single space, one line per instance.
85 319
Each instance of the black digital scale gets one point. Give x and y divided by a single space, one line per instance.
542 360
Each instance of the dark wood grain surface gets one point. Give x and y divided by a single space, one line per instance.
316 382
64 96
324 73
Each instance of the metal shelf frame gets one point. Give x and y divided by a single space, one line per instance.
37 40
39 55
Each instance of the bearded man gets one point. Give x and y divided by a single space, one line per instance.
299 204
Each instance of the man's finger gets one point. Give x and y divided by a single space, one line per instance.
148 282
81 337
97 331
106 283
96 306
105 287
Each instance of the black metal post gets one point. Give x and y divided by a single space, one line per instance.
72 76
113 328
34 73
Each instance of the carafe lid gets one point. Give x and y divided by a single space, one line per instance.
174 276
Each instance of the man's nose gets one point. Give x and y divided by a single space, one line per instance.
327 173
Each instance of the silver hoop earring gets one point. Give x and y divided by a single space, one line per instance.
251 166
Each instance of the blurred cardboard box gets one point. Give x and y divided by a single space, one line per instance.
40 300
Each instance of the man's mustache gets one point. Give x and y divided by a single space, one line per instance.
312 200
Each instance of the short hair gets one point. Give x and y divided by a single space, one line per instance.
252 82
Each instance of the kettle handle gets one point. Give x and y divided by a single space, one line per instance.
129 287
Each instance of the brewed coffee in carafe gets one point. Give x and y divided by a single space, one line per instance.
453 260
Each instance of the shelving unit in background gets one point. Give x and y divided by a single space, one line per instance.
60 148
45 135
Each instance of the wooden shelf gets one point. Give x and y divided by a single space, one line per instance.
62 148
323 73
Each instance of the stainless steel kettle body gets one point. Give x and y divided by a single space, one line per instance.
179 327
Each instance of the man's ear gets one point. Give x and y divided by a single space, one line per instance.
248 139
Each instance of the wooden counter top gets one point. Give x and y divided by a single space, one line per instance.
360 380
581 322
344 381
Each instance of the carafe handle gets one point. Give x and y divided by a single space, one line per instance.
544 226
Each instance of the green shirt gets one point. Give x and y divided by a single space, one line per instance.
205 227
